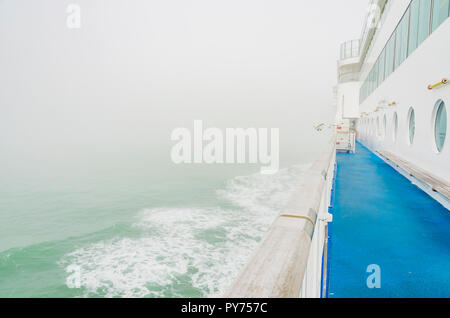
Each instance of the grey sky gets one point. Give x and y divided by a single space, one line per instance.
138 69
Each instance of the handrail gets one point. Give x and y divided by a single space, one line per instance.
278 266
443 82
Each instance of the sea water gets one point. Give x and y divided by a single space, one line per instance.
126 233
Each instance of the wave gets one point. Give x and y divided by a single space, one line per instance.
185 252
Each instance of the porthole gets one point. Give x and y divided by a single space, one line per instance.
440 125
411 126
378 127
395 128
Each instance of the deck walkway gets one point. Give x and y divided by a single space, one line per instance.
381 218
435 183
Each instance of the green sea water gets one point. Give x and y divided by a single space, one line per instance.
89 204
134 232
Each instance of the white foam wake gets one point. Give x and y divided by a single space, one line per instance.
186 252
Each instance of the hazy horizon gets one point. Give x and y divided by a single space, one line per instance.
87 184
136 70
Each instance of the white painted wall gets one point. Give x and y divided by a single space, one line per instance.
348 100
407 86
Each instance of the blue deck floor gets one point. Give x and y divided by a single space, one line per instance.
381 218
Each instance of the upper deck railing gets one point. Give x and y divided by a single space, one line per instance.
353 53
288 262
350 49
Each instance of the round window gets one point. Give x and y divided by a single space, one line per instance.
440 126
412 126
378 127
395 127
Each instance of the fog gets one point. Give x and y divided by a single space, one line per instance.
114 89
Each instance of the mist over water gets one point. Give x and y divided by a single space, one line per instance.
192 246
86 115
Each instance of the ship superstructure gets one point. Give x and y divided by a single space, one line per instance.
371 217
393 82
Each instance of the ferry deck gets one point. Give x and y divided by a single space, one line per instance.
381 218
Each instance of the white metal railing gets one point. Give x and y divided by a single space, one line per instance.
312 286
350 49
288 261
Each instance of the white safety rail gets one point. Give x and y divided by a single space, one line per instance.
288 262
314 285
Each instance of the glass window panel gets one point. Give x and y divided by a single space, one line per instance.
398 46
414 26
424 20
362 96
361 93
375 75
373 78
390 56
348 50
368 87
382 61
440 12
355 48
440 127
402 40
365 89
